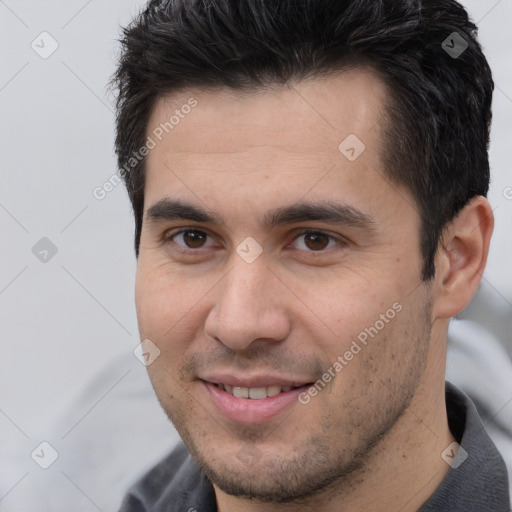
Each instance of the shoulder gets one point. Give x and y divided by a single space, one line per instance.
175 483
478 477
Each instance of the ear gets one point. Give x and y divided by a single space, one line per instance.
461 257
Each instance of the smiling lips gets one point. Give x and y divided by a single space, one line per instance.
254 393
249 401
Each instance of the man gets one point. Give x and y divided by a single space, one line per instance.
308 181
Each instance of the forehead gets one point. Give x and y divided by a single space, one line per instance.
309 115
318 137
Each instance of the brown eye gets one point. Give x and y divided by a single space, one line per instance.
315 241
194 239
190 239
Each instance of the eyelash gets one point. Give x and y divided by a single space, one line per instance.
168 237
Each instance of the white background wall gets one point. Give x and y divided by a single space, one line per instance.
64 321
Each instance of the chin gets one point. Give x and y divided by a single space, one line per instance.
253 474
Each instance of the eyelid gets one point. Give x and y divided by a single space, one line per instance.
169 235
341 240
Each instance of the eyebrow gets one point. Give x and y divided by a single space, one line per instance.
325 211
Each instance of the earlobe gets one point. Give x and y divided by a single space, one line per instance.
462 257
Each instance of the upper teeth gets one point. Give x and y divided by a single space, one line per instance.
254 393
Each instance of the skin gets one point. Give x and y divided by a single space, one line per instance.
302 302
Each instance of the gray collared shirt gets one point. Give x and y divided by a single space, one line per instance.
478 484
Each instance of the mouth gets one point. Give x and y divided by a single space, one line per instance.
252 402
256 393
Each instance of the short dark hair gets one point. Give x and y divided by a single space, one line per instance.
438 114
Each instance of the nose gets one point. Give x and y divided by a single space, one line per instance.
249 307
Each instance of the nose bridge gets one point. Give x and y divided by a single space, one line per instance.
247 307
246 293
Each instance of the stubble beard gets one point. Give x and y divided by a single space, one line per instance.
328 462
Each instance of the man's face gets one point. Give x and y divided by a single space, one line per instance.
265 294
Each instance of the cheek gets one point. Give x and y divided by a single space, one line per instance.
379 373
160 300
369 334
171 308
347 309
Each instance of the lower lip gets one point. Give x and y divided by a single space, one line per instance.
251 411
